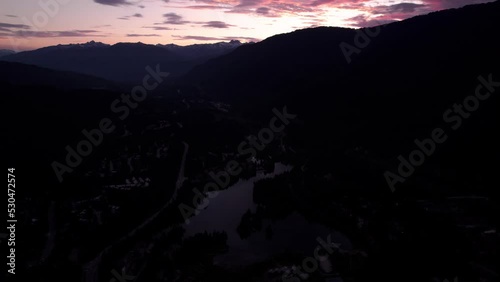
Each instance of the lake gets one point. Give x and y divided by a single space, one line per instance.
224 213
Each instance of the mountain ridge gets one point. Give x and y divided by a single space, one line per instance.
120 62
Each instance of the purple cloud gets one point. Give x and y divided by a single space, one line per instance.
407 8
142 35
210 38
65 33
8 25
136 15
158 27
173 18
262 10
113 2
216 24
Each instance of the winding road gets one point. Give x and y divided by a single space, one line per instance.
91 268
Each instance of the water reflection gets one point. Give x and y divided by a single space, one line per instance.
225 211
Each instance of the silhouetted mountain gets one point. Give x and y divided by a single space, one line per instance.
4 52
274 61
201 51
122 62
435 42
29 75
410 67
395 89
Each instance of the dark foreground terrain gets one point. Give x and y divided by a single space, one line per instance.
383 151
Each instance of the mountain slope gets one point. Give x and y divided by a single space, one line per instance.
122 62
396 89
433 42
21 74
4 52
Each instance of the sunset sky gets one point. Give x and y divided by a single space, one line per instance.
30 24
